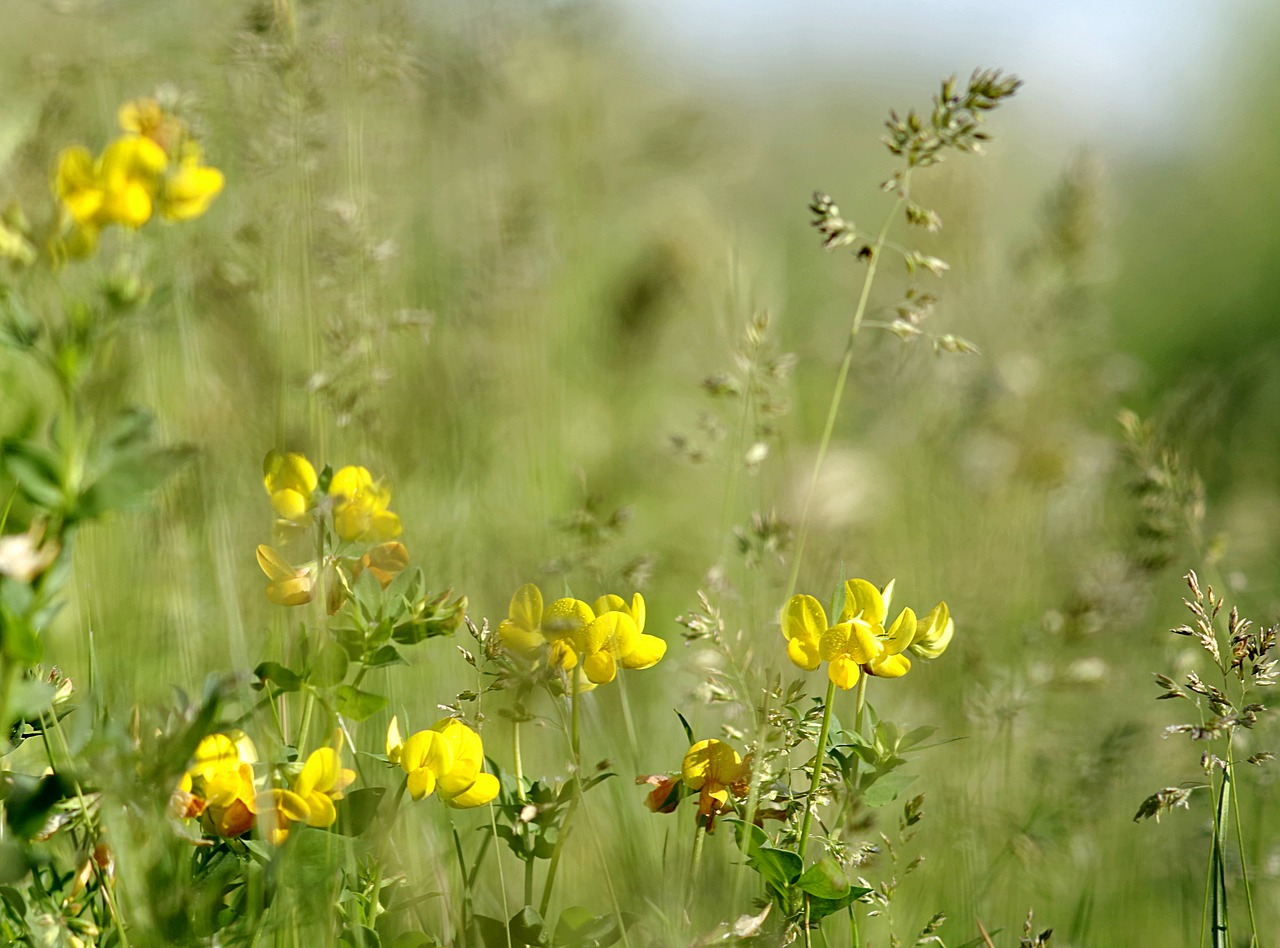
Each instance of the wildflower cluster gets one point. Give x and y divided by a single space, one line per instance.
354 504
858 643
569 634
221 788
155 167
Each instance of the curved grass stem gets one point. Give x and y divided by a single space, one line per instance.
817 770
842 377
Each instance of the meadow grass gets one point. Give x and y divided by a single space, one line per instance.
493 258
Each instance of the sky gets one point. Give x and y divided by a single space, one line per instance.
1123 71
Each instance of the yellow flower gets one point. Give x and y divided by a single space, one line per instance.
385 561
360 506
600 643
189 189
221 777
856 644
76 185
129 173
291 481
933 633
288 586
521 631
309 798
713 768
447 758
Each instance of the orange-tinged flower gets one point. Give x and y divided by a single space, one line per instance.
714 769
665 795
385 561
221 776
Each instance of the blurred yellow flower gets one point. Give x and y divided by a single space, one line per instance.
714 769
448 758
290 480
309 798
289 586
933 632
360 506
190 187
221 777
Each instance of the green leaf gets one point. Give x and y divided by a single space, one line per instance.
826 880
527 927
29 699
283 678
28 800
917 736
358 705
36 469
779 867
688 731
886 789
129 479
13 868
821 908
579 927
330 666
387 655
357 810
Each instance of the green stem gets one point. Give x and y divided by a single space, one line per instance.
854 938
502 881
857 723
574 802
1244 862
846 363
817 770
1220 930
466 893
301 739
695 863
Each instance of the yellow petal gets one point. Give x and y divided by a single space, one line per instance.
416 751
394 740
565 618
805 619
844 671
422 783
292 592
323 813
901 634
933 632
274 564
189 191
835 641
648 651
517 638
320 772
600 667
889 666
804 652
862 600
697 764
613 632
484 789
290 804
526 608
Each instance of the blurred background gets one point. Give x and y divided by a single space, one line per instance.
495 251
